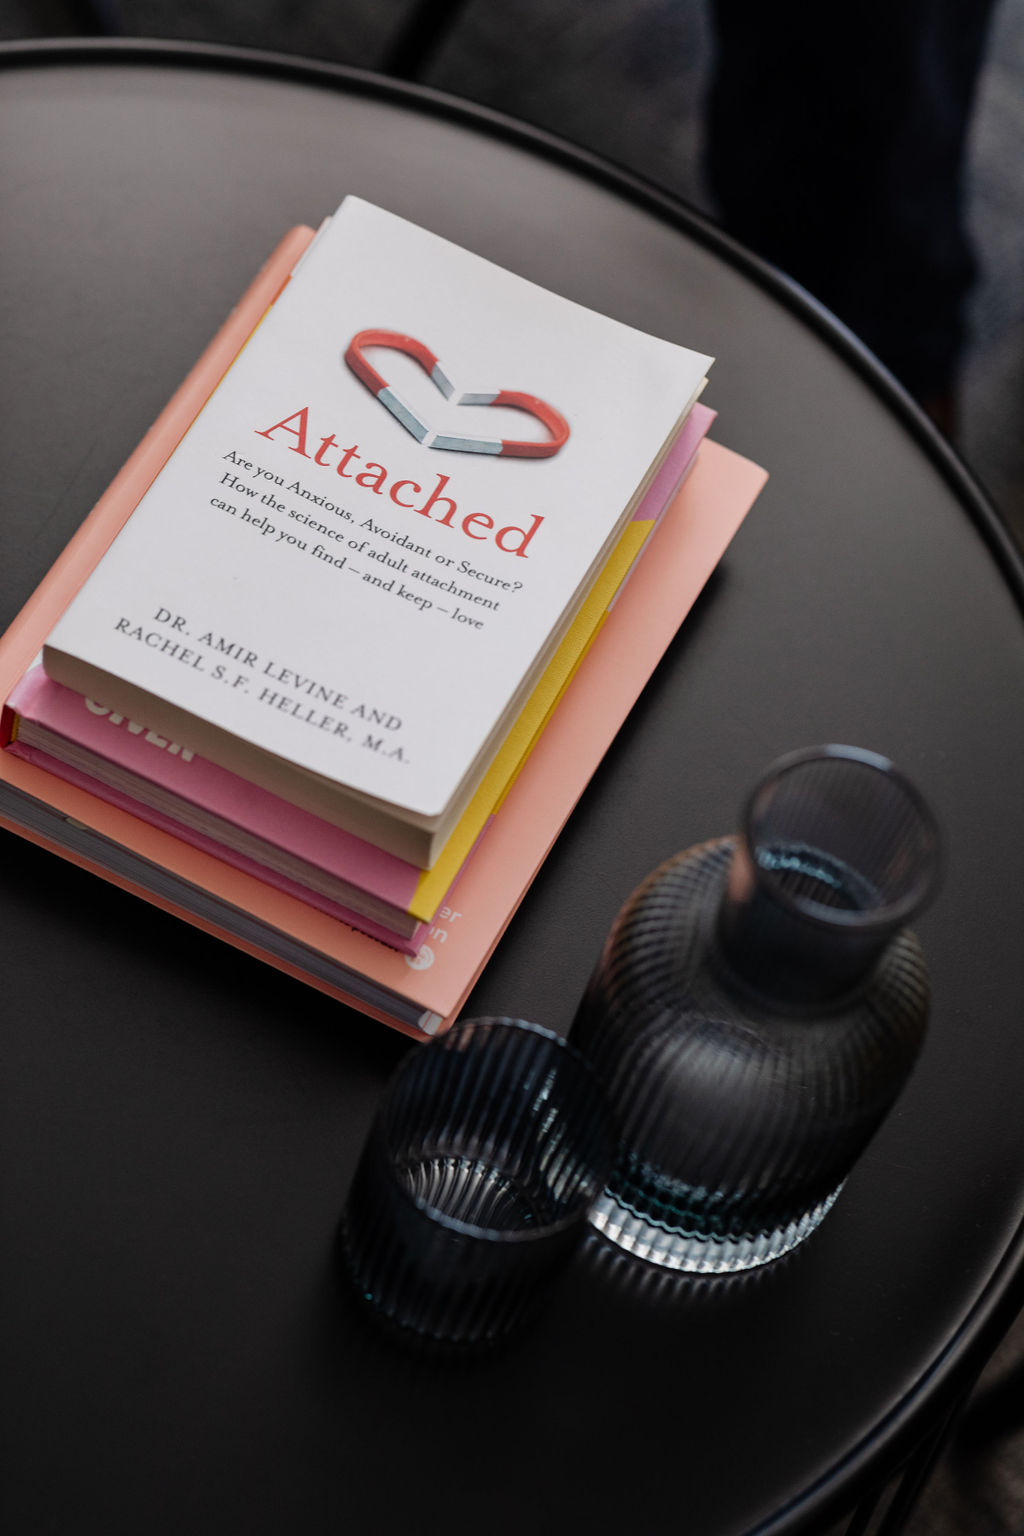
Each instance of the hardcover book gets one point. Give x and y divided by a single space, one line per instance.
355 569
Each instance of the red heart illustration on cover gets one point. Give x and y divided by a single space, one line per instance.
553 421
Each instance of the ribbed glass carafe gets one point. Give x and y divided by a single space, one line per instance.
757 1008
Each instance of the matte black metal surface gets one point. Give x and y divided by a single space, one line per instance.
179 1123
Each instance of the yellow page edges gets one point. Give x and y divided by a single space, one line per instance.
514 752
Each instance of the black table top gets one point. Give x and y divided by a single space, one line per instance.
180 1123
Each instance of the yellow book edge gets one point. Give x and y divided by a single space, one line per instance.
514 752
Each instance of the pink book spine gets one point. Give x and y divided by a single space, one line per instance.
215 791
208 845
675 463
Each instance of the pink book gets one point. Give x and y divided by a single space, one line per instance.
173 788
37 696
419 993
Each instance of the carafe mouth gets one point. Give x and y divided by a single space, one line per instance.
837 851
840 836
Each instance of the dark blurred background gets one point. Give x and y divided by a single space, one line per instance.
631 79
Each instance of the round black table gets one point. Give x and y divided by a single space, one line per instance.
180 1124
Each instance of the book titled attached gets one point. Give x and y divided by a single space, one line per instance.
353 572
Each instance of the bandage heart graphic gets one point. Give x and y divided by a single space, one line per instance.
553 421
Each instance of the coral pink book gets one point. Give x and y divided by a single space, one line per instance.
419 993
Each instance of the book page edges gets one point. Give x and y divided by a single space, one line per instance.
519 743
431 1022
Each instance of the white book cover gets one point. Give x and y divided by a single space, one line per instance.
363 547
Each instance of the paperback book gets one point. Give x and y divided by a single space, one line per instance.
352 573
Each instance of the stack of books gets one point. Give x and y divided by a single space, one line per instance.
328 666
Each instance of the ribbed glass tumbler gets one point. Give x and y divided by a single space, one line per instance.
756 1010
476 1180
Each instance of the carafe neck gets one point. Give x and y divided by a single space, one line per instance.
788 953
836 853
